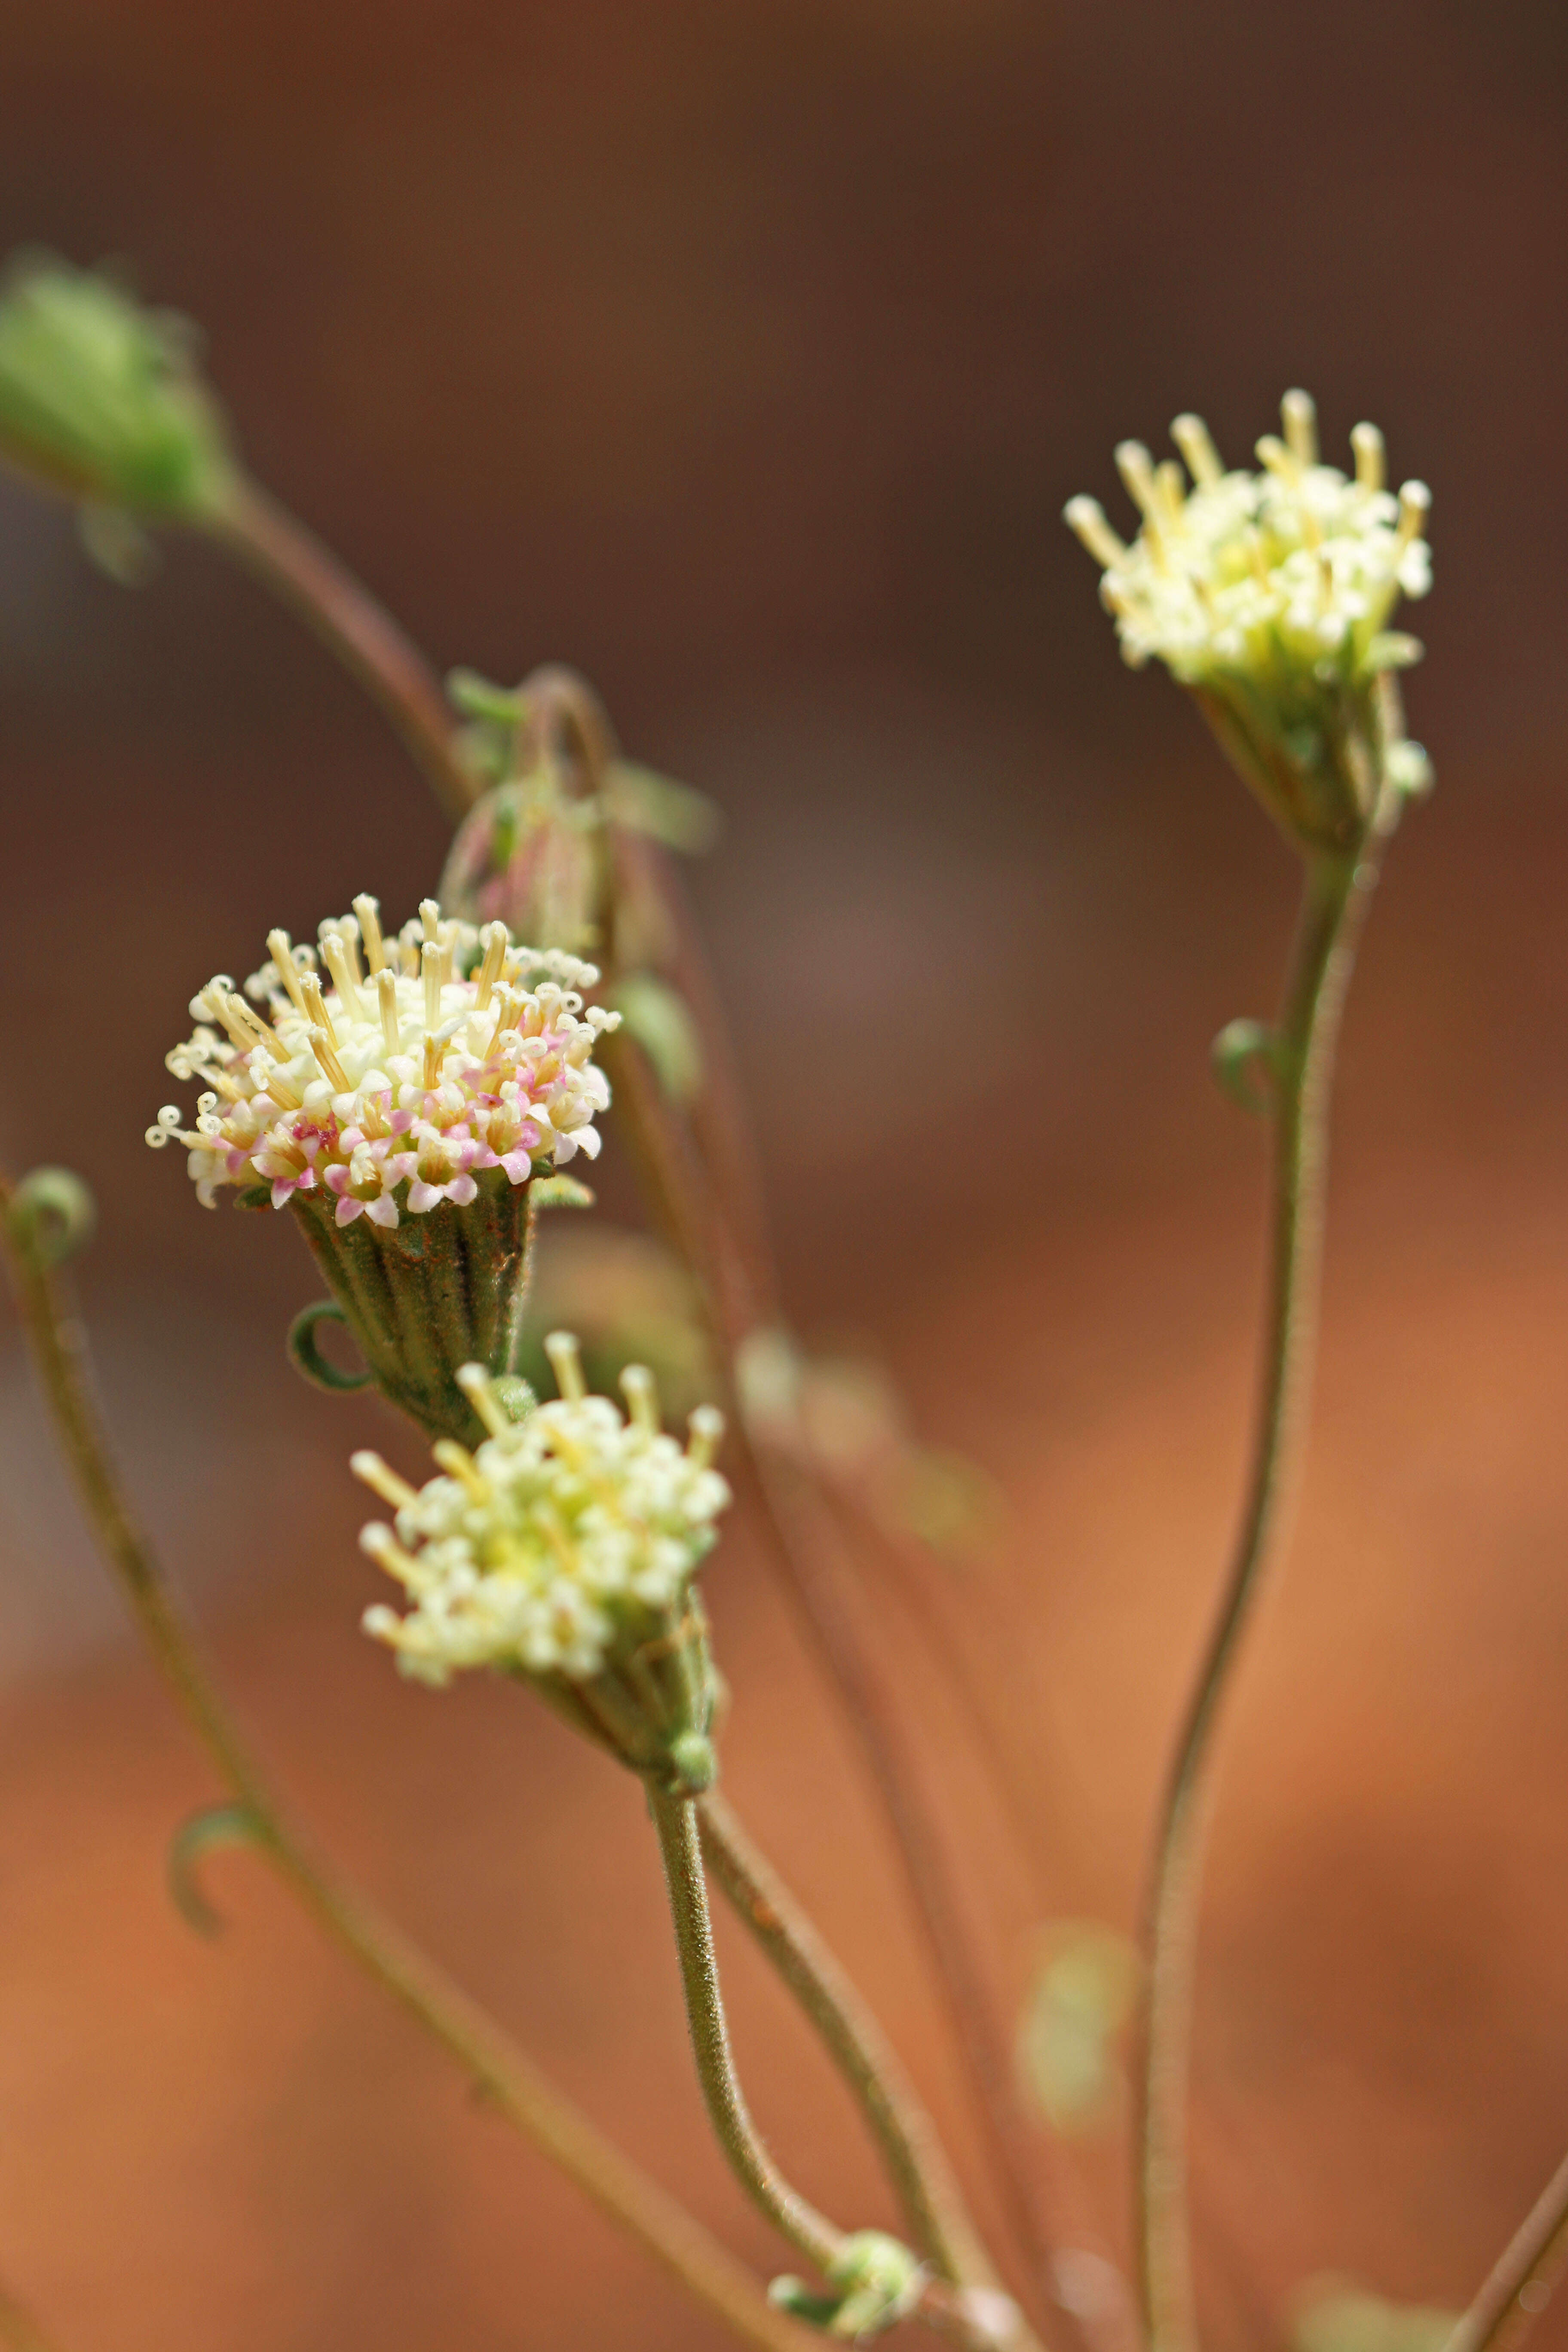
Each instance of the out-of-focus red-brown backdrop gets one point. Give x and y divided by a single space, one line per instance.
745 358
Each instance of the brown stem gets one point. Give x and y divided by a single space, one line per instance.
289 560
1518 2286
793 1525
933 2201
500 2070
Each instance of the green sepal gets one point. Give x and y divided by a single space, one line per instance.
653 1703
205 1833
434 1293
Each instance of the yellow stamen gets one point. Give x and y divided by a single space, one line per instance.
430 960
1087 518
327 1062
1279 460
1192 438
368 910
316 1008
280 948
705 1428
566 1363
458 1462
1300 419
480 1391
641 1393
435 1054
430 917
1415 505
1169 490
1367 443
348 931
386 998
496 943
383 1547
382 1479
334 951
1136 469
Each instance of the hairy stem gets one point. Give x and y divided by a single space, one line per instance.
933 2201
309 578
799 1535
675 1818
498 2068
1518 2286
1301 1060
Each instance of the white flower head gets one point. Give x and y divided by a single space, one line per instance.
388 1083
563 1538
1297 564
1269 595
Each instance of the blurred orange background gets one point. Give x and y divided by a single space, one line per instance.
745 358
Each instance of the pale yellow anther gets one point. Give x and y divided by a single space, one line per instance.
1136 469
334 954
641 1393
496 940
1086 517
378 1540
327 1061
348 931
382 1479
566 1363
480 1391
368 911
1194 439
1170 489
315 1007
458 1462
704 1431
430 917
1415 505
1280 461
386 1003
280 948
1300 419
1367 443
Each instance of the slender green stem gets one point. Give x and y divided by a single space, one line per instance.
386 662
931 2199
799 1536
675 1818
1302 1058
341 611
509 2078
1518 2286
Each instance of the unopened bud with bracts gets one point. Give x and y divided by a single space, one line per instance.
396 1094
1269 596
101 398
563 1549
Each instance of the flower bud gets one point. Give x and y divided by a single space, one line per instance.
101 398
399 1112
1269 596
563 1549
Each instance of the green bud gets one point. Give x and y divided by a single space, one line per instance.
101 399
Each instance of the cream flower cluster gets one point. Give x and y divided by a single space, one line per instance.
448 1051
564 1530
1296 566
